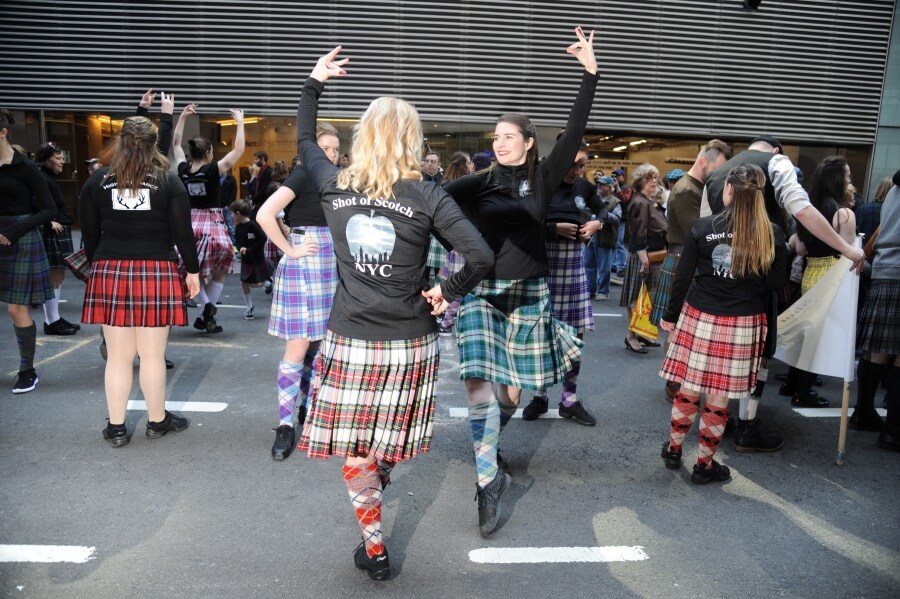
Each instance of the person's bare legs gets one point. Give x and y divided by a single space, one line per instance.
151 347
121 343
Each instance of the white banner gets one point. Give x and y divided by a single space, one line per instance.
818 332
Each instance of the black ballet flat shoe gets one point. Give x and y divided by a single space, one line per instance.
637 351
811 400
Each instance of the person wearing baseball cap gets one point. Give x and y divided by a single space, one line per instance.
93 165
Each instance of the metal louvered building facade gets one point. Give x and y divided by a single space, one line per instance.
804 70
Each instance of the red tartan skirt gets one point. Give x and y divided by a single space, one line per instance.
717 355
214 249
134 293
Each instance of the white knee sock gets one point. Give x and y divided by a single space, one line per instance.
748 408
214 291
248 301
202 299
51 308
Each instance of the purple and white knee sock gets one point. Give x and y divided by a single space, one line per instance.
288 387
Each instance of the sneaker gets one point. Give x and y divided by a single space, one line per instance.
284 442
268 286
26 381
600 297
716 473
58 328
378 567
77 327
671 458
116 435
248 313
577 413
172 423
616 280
538 406
445 331
489 502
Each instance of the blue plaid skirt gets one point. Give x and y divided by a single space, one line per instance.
878 326
507 334
304 289
437 254
570 297
24 270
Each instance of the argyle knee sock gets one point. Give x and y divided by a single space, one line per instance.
306 375
484 421
288 387
26 339
364 486
507 411
570 385
684 413
712 427
384 472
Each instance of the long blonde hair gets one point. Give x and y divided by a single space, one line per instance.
135 155
387 144
753 242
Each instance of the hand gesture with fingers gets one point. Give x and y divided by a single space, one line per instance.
237 115
147 98
583 50
167 103
329 66
189 109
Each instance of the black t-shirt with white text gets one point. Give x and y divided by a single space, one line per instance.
202 186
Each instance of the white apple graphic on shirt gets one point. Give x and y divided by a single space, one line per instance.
370 238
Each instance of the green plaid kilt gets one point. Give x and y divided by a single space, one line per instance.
664 287
506 334
24 270
372 398
437 254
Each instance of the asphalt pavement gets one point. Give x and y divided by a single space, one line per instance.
208 513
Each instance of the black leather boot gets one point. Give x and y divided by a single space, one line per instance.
749 439
864 416
890 436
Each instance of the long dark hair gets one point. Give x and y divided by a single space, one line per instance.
828 186
526 128
198 147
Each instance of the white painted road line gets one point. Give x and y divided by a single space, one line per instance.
464 413
605 315
182 406
829 412
46 554
555 555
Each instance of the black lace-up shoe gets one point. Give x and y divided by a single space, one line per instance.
489 502
170 424
378 567
577 413
716 473
58 328
671 458
116 435
538 406
284 442
26 381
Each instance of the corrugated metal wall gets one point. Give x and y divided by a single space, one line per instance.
805 70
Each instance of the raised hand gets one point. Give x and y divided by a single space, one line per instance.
147 98
329 66
583 50
189 109
237 115
167 103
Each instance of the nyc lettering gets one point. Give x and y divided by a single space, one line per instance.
382 270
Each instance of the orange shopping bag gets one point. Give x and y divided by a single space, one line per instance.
640 317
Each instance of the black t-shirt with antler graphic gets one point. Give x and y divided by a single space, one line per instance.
120 225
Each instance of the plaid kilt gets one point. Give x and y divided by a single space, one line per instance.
214 248
717 355
272 253
372 398
255 272
24 270
452 265
815 270
570 297
632 284
304 289
506 334
878 327
58 246
437 254
135 293
664 287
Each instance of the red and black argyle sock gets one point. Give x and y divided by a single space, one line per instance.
364 485
684 413
712 427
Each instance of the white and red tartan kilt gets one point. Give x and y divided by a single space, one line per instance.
214 248
717 355
372 398
134 293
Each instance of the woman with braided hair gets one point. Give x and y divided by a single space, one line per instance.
720 333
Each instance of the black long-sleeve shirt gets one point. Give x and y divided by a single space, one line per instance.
23 190
381 245
509 213
166 128
572 203
62 210
118 225
715 290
